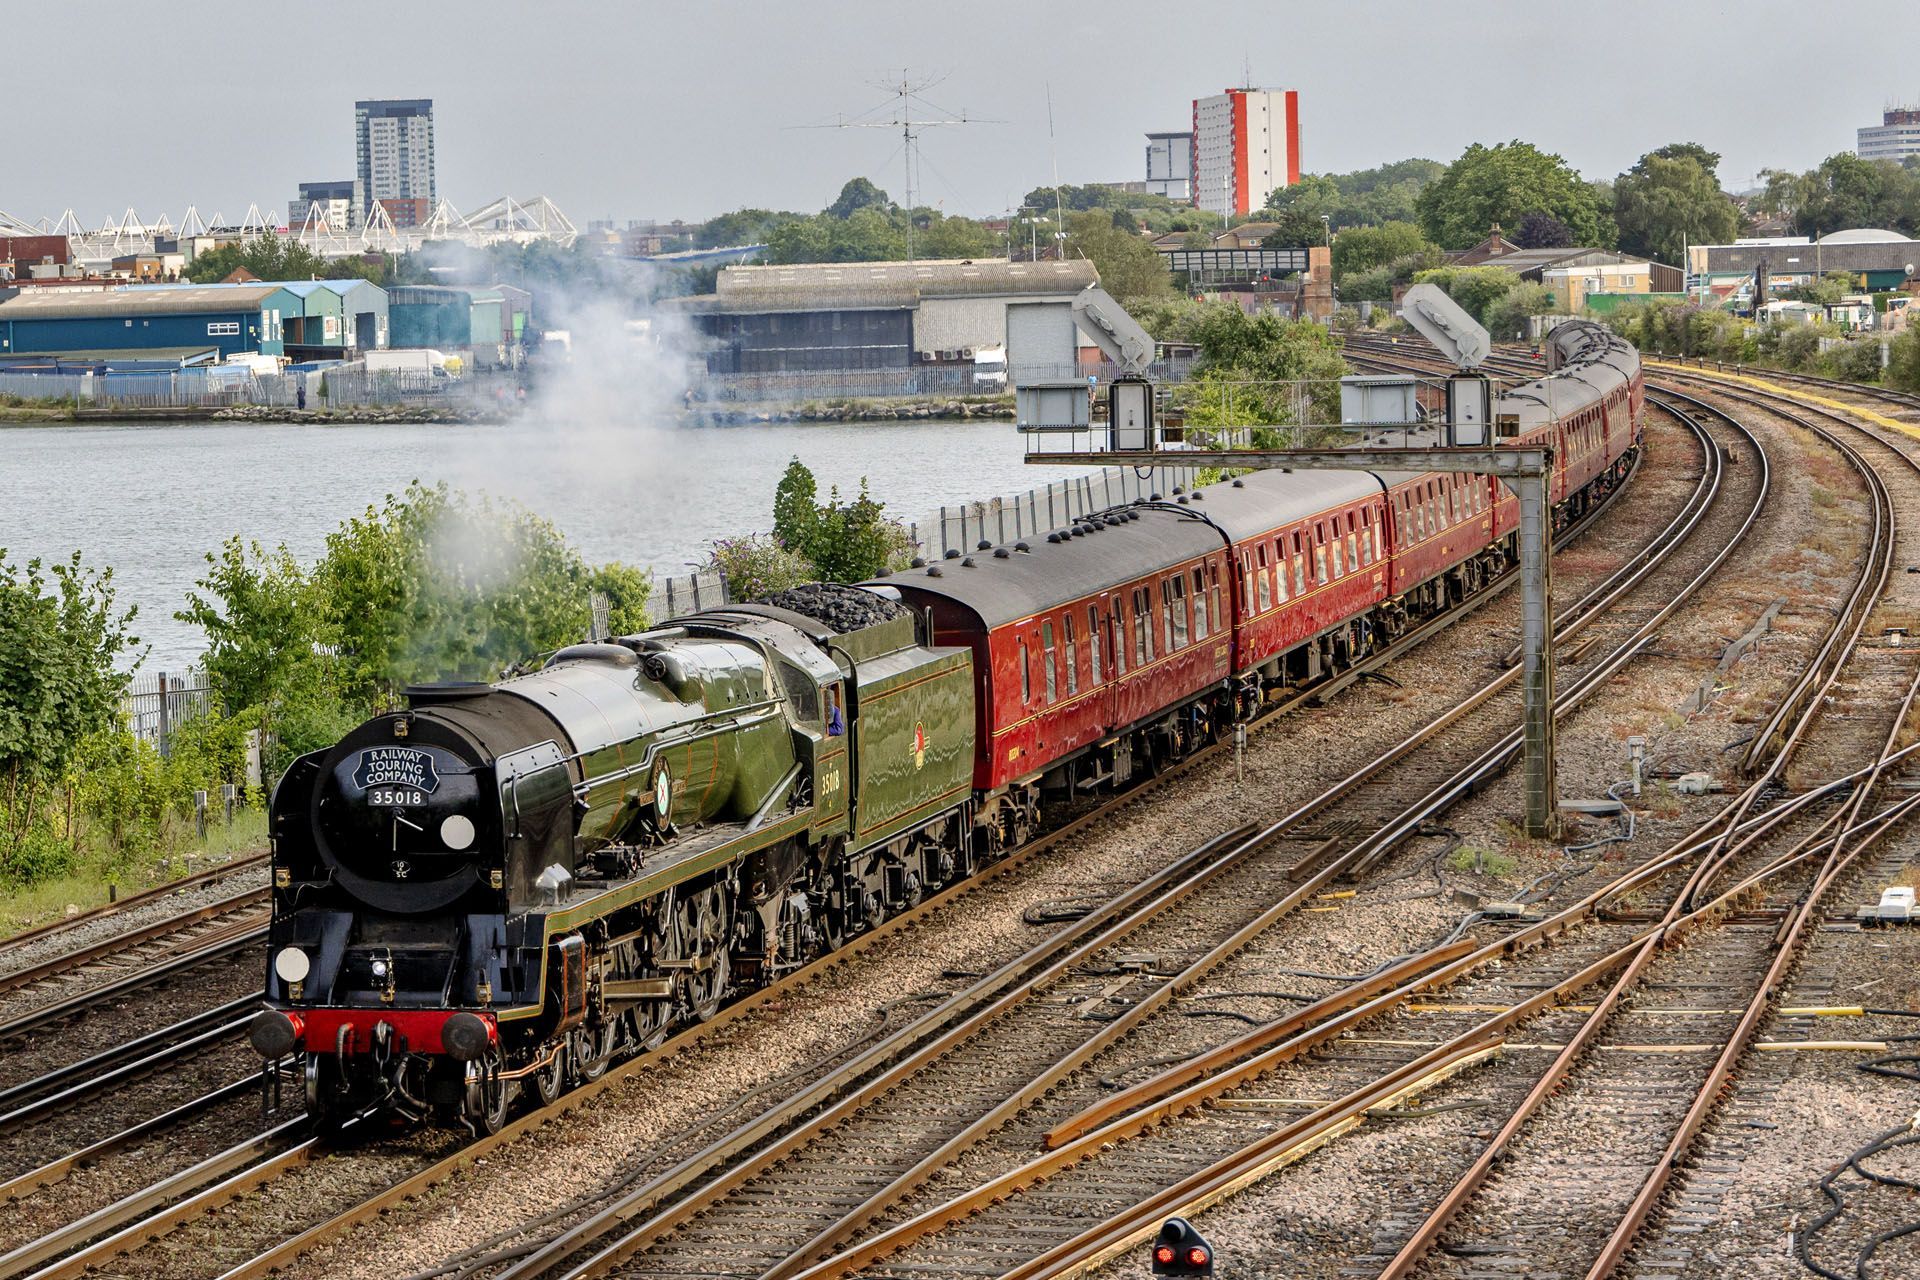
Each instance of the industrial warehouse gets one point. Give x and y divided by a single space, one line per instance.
154 326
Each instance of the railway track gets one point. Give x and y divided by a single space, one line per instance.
133 903
204 1180
840 1170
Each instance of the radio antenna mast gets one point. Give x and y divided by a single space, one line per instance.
905 93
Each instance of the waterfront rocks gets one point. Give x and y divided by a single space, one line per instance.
998 408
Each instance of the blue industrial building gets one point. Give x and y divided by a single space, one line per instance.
335 315
182 322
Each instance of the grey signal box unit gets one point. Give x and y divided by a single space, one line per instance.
1386 399
1130 414
1053 406
1469 410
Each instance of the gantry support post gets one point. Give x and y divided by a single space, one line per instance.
1536 654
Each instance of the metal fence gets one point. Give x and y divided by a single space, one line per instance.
156 705
220 388
677 596
1022 515
920 380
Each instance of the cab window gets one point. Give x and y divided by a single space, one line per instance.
803 696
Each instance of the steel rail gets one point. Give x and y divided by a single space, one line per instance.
1786 955
124 941
291 1249
842 1264
198 878
1675 923
881 1201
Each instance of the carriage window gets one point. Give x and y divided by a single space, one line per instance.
1266 590
1299 565
1046 653
1320 565
1339 561
1199 604
1026 675
1178 584
1213 590
1166 613
1419 521
1366 546
1142 627
1093 641
1073 660
1280 570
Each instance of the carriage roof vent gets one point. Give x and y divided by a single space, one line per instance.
1239 484
1022 546
918 562
933 571
985 544
1001 553
967 563
953 553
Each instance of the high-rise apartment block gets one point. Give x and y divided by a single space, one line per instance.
330 200
1170 165
1895 138
393 152
1246 144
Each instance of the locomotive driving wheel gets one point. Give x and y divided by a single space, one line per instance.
591 1049
489 1098
547 1080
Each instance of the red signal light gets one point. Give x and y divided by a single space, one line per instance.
1164 1255
1196 1257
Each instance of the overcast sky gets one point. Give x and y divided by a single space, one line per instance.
638 110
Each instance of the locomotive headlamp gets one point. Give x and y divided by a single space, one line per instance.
456 832
291 964
381 968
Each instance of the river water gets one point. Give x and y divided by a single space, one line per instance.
151 499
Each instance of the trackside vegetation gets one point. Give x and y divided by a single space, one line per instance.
430 584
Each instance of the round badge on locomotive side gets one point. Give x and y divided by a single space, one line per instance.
919 746
663 794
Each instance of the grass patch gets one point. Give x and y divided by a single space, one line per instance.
1470 857
88 884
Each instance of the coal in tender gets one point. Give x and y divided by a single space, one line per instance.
838 606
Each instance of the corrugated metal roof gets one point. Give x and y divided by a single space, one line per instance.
877 286
113 302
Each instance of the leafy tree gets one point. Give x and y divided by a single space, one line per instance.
757 566
942 237
1363 198
1295 229
1542 231
1903 360
1506 315
1130 268
270 257
742 226
429 585
1262 370
1670 198
1827 290
1364 248
1501 185
856 194
60 635
796 511
1474 288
